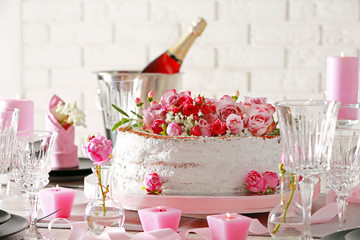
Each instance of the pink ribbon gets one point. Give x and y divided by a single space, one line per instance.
79 232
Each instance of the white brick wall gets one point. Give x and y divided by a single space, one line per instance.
274 48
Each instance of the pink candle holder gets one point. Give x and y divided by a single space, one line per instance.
55 198
230 226
159 218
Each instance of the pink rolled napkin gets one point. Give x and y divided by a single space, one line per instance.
65 151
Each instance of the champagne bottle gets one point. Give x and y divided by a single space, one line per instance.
170 61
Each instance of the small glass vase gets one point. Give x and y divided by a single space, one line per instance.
103 211
286 220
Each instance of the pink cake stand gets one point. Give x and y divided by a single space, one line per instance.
196 204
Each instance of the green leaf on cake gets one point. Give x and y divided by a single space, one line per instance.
129 126
139 116
118 124
121 111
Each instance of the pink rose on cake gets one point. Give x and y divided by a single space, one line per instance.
251 104
157 126
218 127
180 114
186 99
262 184
189 109
256 183
170 98
153 183
196 131
272 179
226 106
235 123
260 122
204 128
173 129
153 112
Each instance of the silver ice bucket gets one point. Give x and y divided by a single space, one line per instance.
121 88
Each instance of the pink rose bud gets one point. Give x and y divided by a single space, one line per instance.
186 99
153 183
173 129
195 131
175 109
137 101
98 150
205 128
272 179
198 100
151 94
237 93
157 126
206 109
218 127
255 182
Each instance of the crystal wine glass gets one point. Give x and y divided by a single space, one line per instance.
307 129
8 126
345 167
33 167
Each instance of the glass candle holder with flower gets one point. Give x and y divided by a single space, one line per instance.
102 211
286 220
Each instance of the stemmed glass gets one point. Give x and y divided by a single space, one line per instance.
33 166
345 167
307 129
8 126
343 175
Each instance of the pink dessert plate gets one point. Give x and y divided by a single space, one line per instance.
196 204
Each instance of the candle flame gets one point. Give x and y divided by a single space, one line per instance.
159 208
342 54
57 187
228 215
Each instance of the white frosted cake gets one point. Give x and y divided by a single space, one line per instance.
197 145
189 165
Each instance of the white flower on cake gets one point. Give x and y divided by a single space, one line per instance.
180 114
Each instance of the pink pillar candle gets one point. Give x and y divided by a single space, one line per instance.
229 226
55 198
159 218
342 82
26 115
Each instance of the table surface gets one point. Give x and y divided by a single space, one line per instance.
18 206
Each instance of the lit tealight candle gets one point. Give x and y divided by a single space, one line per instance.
159 218
229 226
55 198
